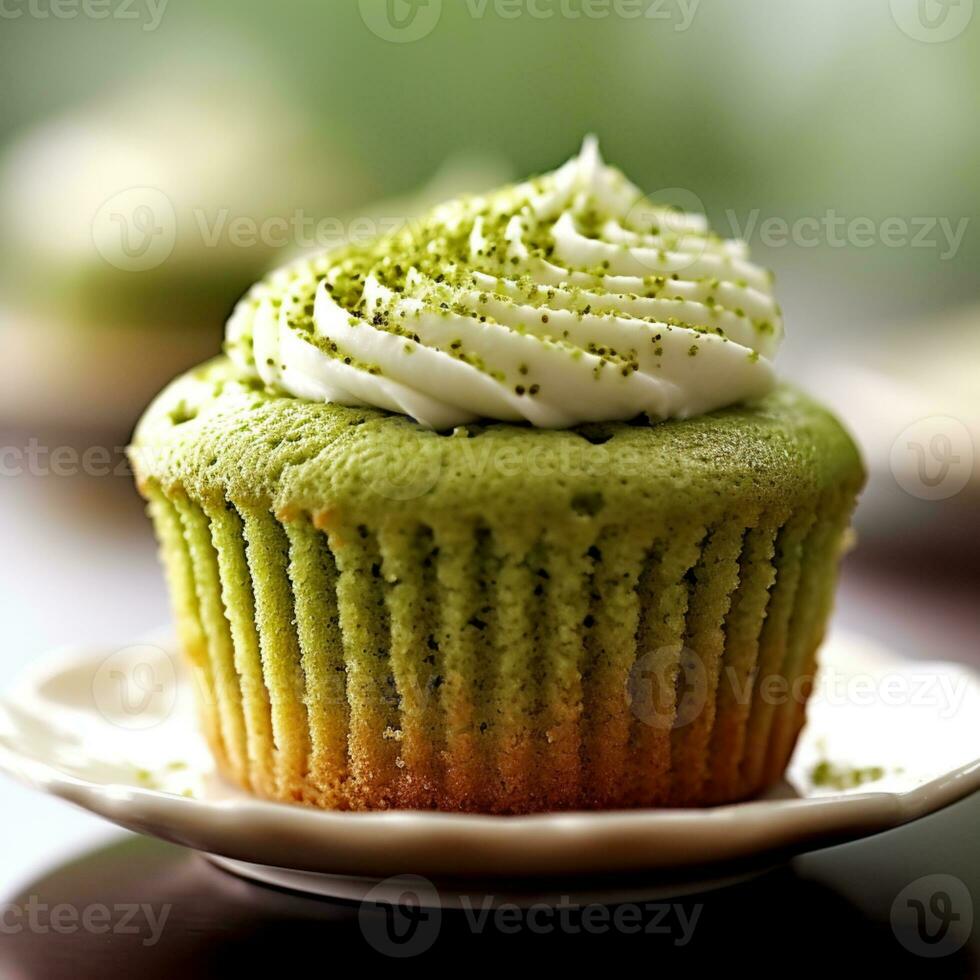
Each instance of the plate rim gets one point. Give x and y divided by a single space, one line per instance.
518 845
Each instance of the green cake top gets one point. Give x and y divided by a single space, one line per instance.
569 298
217 435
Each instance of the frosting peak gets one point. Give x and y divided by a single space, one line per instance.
569 298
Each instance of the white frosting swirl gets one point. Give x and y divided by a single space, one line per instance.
562 300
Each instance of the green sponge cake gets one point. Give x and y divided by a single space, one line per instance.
503 512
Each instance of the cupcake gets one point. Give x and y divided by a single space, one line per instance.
503 512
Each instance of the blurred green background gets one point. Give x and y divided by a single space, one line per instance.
793 108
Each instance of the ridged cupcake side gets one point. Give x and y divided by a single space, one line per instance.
573 633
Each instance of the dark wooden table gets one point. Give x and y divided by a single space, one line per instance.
145 909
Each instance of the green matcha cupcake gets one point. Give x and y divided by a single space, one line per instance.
503 512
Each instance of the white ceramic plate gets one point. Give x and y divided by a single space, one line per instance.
114 732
